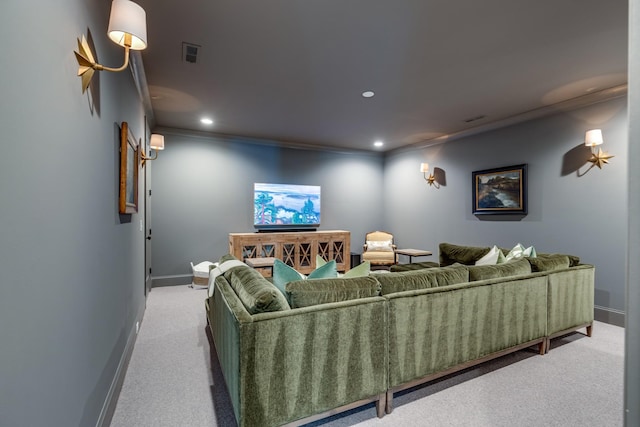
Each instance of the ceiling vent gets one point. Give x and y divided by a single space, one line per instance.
190 52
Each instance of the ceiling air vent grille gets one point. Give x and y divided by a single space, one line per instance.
190 52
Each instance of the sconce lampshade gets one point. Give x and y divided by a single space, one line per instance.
157 141
593 138
128 18
424 167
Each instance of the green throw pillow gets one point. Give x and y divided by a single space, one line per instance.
358 271
283 274
320 261
305 293
361 270
519 251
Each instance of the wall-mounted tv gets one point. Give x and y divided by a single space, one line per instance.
285 206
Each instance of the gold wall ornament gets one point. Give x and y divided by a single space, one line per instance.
431 179
600 158
592 139
127 28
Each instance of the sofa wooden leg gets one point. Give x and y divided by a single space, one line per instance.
547 345
381 405
589 330
389 405
542 347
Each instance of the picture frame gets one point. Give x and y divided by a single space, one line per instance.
500 190
129 161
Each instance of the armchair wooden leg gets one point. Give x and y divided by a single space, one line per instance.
389 405
590 330
542 347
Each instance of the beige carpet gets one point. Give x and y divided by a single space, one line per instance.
170 382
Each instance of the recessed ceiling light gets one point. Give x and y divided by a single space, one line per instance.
378 143
206 121
368 93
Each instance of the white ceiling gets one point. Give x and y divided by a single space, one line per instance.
294 70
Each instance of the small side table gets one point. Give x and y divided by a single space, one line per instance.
266 262
412 253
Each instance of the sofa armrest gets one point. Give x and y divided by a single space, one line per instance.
288 365
570 298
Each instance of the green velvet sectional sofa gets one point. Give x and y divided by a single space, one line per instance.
333 344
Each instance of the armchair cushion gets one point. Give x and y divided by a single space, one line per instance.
379 245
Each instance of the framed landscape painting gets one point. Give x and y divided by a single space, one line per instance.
500 190
129 160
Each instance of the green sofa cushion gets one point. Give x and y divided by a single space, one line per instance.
423 279
467 255
414 266
305 293
225 258
507 269
257 294
573 260
549 263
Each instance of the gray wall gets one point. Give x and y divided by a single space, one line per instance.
632 332
71 272
203 190
583 215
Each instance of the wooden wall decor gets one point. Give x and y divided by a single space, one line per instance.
129 160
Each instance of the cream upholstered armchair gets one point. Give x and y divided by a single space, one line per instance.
379 248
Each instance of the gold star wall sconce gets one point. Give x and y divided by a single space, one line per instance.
593 138
429 177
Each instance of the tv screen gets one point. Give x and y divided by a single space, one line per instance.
286 206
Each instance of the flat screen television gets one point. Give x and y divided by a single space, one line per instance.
285 206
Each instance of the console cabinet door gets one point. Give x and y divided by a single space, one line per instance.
296 249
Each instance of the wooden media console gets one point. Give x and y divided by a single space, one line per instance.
296 249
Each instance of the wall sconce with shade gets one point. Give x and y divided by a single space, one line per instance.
592 139
157 144
127 27
424 168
